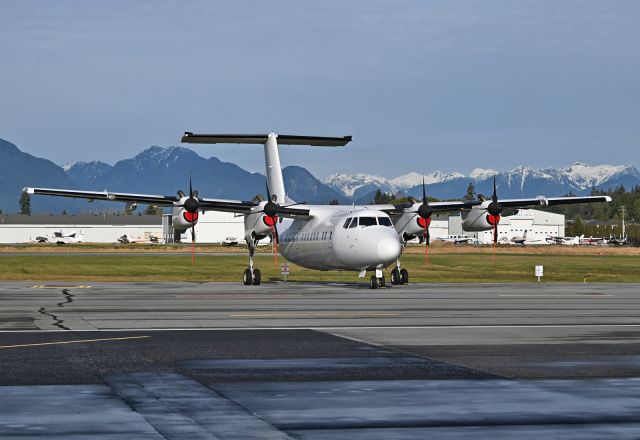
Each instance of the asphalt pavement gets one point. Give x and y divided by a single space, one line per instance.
318 361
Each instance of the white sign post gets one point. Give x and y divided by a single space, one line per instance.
285 270
539 272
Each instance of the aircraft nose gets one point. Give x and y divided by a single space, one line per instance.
388 249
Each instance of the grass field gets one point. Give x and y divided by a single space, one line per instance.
445 264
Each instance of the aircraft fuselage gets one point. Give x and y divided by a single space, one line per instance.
333 240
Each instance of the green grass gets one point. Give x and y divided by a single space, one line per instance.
442 268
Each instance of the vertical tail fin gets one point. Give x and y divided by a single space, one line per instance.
275 181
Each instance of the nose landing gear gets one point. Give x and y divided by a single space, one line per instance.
376 281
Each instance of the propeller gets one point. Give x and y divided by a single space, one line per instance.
424 219
191 207
494 210
270 210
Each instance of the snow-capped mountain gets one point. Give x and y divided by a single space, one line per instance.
351 184
347 184
578 178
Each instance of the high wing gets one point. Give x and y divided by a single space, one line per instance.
235 206
105 195
458 205
570 200
400 208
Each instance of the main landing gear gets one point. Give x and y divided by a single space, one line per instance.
399 276
251 275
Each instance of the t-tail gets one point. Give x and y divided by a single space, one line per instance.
275 182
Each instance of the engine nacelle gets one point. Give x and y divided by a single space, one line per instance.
476 220
410 225
259 225
479 219
184 219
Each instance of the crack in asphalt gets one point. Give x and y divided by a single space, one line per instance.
68 298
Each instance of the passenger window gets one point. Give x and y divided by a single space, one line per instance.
346 223
384 221
368 221
354 222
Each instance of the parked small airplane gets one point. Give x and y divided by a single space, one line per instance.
325 237
568 241
60 237
617 241
229 241
594 241
129 239
456 239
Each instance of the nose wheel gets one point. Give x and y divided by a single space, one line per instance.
375 282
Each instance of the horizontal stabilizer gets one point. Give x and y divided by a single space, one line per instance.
283 139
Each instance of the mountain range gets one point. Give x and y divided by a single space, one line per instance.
164 170
578 179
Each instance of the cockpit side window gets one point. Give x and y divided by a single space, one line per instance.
384 221
354 222
367 221
346 223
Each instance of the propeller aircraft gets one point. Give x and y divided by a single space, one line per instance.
357 238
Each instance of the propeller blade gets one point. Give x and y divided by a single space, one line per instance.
494 196
426 245
193 243
424 192
190 187
495 234
274 243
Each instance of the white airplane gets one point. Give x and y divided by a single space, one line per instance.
567 241
325 237
130 239
456 239
60 237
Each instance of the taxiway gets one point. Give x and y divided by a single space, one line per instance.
318 361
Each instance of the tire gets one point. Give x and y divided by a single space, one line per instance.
256 277
382 282
373 282
395 277
404 276
246 277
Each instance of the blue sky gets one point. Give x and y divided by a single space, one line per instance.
421 85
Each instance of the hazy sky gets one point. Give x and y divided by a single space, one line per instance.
421 85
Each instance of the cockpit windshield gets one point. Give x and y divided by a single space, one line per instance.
367 221
384 221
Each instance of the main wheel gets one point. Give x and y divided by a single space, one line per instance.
395 277
247 278
256 277
404 276
382 281
373 282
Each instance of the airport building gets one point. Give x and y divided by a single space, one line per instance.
214 227
538 225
